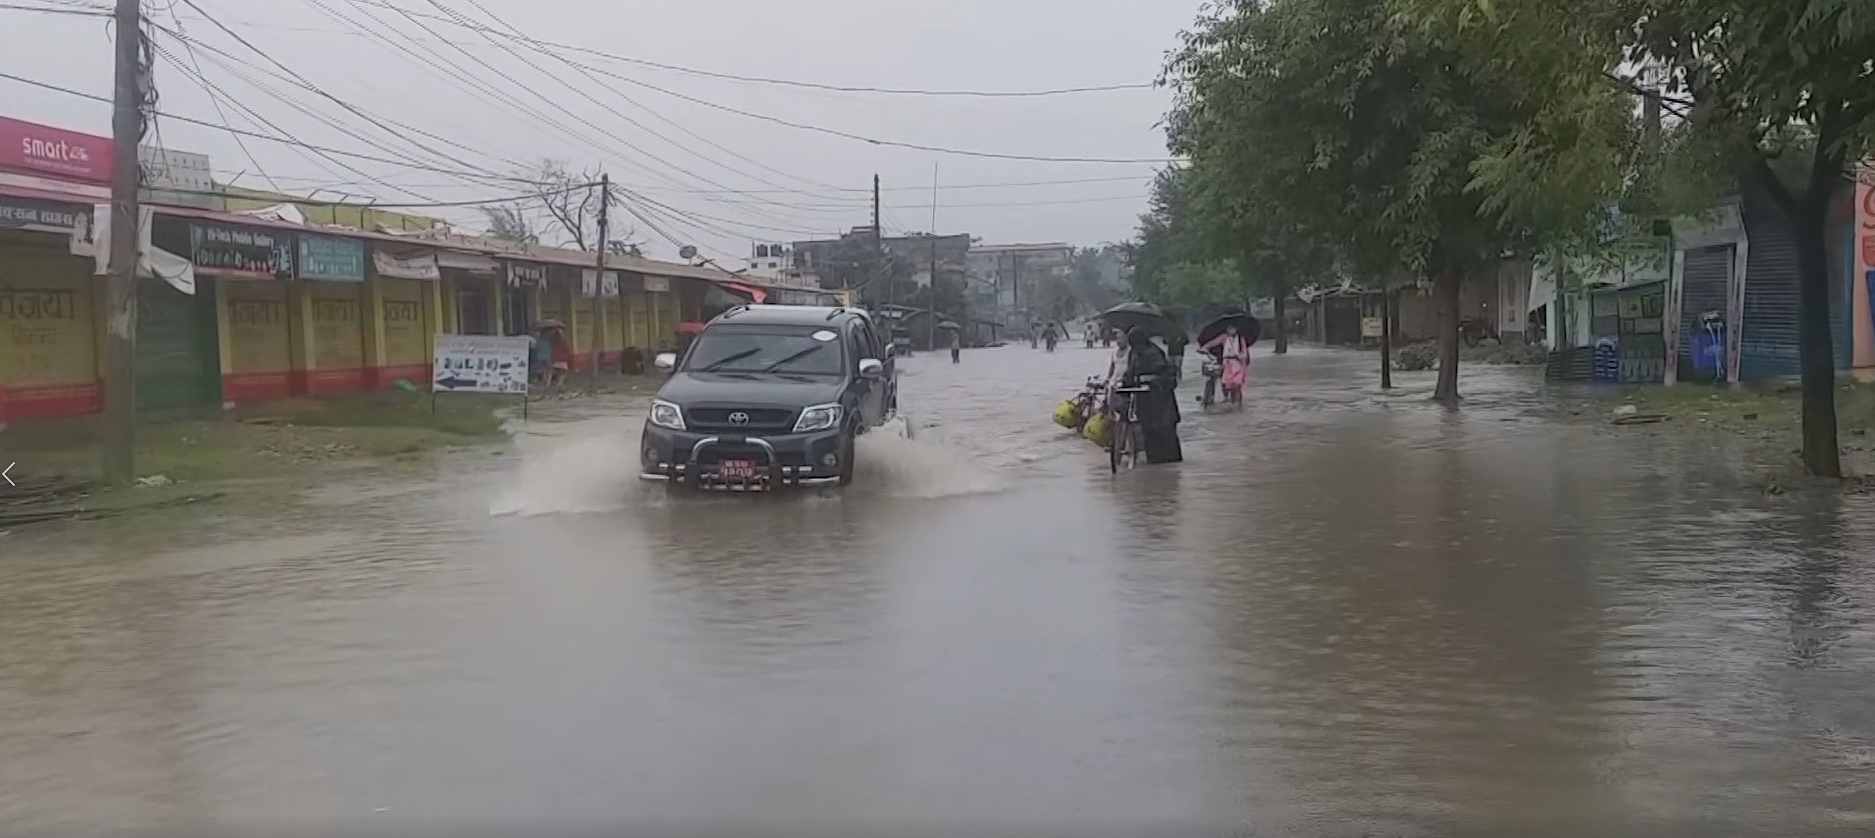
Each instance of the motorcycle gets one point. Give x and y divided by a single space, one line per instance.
1050 340
1476 330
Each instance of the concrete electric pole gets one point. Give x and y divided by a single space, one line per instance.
120 345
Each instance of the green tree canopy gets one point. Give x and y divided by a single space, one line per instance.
1780 93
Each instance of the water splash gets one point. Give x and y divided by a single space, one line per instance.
584 468
574 473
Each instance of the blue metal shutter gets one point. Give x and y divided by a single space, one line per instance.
1704 280
1768 343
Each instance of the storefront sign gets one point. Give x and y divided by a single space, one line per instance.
35 214
240 252
168 169
657 284
43 149
608 288
526 276
331 258
412 265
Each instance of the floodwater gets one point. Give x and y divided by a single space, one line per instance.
1346 614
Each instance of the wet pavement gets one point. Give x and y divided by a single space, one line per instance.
1348 613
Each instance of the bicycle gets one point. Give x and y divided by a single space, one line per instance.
1126 439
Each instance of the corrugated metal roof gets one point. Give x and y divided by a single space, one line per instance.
480 245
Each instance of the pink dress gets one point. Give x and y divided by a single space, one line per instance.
1236 359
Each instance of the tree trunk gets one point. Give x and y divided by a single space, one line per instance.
1282 323
1386 339
1821 455
1445 287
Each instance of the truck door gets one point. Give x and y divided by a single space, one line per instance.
871 393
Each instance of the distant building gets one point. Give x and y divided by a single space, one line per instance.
845 261
1004 275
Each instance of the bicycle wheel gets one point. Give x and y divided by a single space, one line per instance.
1114 435
1136 443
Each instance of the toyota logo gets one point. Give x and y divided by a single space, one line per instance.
738 418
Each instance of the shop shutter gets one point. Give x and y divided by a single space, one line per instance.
1768 340
1707 275
178 359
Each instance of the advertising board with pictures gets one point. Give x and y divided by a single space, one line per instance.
480 364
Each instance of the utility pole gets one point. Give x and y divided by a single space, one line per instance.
120 367
598 278
931 324
878 244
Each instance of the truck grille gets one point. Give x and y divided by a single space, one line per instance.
761 419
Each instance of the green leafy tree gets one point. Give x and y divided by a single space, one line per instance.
1780 93
1329 133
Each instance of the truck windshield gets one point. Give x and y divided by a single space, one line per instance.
755 350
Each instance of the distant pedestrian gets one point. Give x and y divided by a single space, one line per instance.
560 355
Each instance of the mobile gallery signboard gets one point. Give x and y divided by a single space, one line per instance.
240 252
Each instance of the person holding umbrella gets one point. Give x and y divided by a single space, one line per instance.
1228 339
956 339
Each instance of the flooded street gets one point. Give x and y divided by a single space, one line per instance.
1347 613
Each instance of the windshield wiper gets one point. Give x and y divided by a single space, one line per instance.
792 358
729 359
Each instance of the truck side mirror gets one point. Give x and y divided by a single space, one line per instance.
665 362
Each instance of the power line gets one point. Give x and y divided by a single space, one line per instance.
417 21
232 64
219 113
478 202
310 86
987 94
1056 202
417 17
76 12
821 129
268 137
254 117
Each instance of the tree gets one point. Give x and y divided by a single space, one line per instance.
509 221
1327 133
1089 276
1780 90
571 200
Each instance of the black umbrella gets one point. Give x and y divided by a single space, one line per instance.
1247 327
1127 316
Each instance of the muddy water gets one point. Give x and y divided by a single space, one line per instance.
1348 613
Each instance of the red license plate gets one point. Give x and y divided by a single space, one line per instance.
738 469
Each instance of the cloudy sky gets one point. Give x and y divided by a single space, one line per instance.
510 82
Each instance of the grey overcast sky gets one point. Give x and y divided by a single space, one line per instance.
699 174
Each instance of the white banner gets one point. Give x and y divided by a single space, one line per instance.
406 266
471 262
609 288
480 364
657 284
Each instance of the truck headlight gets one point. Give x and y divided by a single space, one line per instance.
818 418
666 415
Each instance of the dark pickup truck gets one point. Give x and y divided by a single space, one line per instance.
769 396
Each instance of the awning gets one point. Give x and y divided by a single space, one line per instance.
94 240
745 289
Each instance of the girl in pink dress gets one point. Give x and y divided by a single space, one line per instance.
1235 352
